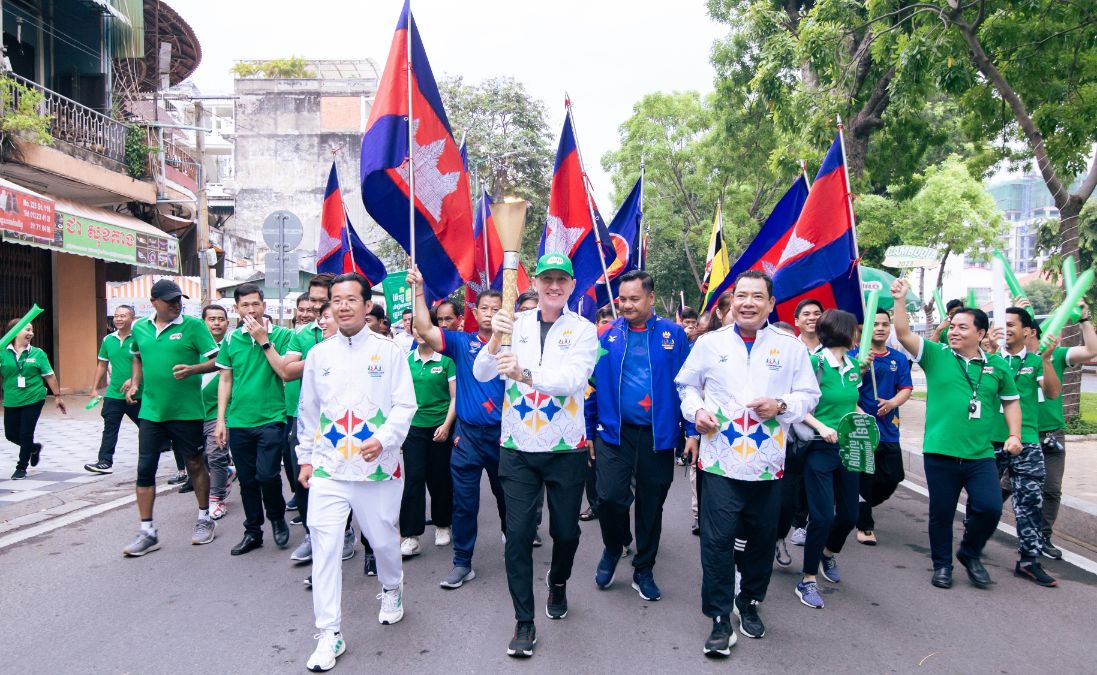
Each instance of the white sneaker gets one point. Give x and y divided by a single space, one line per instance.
410 547
330 647
217 508
443 536
392 605
799 536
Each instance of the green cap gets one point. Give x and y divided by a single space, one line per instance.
553 261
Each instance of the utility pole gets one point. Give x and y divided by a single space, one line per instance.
205 277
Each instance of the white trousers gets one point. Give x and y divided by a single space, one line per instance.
377 509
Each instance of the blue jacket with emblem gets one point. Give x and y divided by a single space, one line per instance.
668 348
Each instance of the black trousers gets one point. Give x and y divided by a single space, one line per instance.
591 487
945 477
293 470
731 508
426 467
19 424
832 502
877 487
635 459
792 487
114 409
523 476
257 455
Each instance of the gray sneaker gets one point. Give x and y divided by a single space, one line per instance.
303 553
144 543
203 531
348 543
457 577
799 536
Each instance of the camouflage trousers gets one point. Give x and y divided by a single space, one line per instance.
1025 472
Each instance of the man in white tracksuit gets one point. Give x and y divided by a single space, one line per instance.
743 386
357 401
544 443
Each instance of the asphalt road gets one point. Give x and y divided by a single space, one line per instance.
73 604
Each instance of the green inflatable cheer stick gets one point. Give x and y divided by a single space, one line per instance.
34 311
939 302
1015 289
972 301
1070 277
872 301
1061 315
94 401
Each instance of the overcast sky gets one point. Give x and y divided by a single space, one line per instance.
607 54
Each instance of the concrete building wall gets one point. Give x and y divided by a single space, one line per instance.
285 133
79 306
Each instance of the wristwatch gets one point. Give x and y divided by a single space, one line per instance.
527 376
266 346
782 407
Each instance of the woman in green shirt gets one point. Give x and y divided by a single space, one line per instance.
428 446
26 371
832 489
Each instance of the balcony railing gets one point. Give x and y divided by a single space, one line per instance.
78 124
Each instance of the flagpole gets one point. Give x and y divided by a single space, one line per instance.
484 233
411 153
804 168
867 322
640 226
590 207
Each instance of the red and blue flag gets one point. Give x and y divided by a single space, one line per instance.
626 235
443 203
488 259
570 228
340 250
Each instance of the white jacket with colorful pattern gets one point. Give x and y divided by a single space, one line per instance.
550 415
721 376
353 389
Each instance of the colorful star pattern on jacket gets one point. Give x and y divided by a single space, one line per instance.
345 430
745 442
537 412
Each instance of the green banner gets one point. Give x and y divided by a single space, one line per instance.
397 294
858 437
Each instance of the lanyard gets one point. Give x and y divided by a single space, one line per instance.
1020 364
963 369
20 360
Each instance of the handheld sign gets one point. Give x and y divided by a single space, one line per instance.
858 437
911 257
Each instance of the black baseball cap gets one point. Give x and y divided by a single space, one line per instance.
167 290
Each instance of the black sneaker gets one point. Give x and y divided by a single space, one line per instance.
721 638
178 479
557 605
1034 572
186 487
750 624
19 474
1052 551
525 636
36 454
99 467
296 520
371 565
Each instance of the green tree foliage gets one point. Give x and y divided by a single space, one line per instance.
1048 243
698 152
510 146
293 68
1043 295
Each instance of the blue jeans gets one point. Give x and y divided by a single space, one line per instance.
945 477
475 451
832 492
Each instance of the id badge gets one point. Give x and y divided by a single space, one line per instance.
21 382
975 410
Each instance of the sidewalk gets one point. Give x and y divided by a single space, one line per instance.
1078 513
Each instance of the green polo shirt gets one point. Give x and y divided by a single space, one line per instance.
431 379
210 382
839 386
949 430
119 354
1027 370
257 394
1050 411
184 341
304 338
32 365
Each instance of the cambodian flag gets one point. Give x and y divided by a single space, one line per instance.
569 228
340 250
488 259
765 251
443 205
819 257
626 235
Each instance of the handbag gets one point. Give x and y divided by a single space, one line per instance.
800 435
